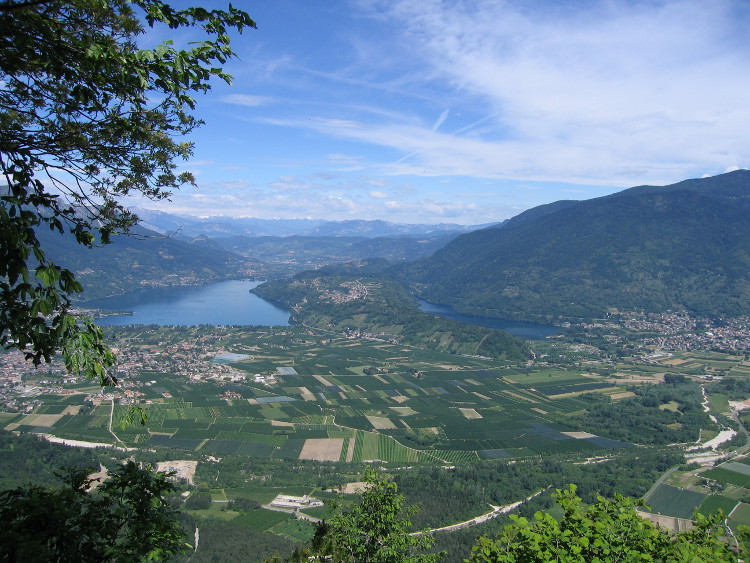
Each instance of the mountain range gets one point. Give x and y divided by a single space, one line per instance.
684 246
167 256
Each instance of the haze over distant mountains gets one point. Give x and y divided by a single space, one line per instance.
218 227
683 246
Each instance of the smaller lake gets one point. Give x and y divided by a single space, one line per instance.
528 331
218 304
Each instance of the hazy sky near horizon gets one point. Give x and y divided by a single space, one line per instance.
427 111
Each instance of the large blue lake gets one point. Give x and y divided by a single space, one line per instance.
528 331
220 304
231 303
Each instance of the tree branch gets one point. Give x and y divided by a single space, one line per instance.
10 6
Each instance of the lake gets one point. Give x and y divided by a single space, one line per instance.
231 303
528 331
219 304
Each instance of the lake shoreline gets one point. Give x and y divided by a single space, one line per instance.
522 329
222 303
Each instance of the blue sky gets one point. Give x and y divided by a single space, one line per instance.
428 111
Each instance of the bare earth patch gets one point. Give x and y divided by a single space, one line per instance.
625 377
281 423
623 395
400 398
579 435
306 394
350 450
471 414
403 411
75 443
322 380
355 488
577 393
41 419
322 449
519 396
668 522
72 409
485 397
98 477
380 422
184 469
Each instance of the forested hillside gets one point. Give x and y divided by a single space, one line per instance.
685 246
142 259
358 298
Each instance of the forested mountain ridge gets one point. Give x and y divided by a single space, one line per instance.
147 258
144 259
356 298
683 246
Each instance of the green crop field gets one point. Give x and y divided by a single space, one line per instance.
727 476
392 403
262 519
671 501
741 514
717 502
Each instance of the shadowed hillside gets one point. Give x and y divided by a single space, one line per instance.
683 246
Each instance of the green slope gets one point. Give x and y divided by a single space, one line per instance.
142 260
685 246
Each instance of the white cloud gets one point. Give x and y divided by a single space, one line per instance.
440 120
611 93
246 100
334 198
419 110
191 163
598 91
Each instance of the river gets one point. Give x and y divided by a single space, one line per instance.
220 304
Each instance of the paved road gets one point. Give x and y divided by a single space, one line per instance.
494 513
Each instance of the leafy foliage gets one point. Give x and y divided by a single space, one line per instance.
607 530
126 519
86 117
376 530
